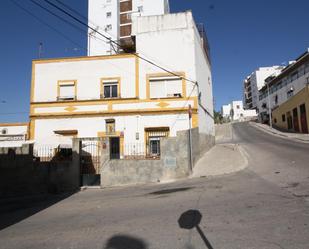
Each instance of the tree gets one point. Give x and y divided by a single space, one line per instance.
218 117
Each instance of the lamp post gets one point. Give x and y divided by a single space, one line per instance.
269 108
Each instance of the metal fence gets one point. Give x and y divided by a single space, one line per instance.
91 151
48 153
138 151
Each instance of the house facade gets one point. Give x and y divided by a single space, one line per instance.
280 90
235 112
124 98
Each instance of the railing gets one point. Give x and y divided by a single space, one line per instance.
138 151
48 153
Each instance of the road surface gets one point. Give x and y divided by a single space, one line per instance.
265 206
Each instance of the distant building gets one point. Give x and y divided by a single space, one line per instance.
113 18
287 96
235 112
226 111
13 134
254 82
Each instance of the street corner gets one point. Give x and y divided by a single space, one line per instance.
221 160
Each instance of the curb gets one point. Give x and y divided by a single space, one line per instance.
277 134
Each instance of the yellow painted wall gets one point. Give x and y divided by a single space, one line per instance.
300 98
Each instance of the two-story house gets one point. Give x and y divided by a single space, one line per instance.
124 97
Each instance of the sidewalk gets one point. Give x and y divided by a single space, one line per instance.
221 159
304 138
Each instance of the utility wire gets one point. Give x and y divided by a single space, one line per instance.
46 24
60 33
137 55
61 18
116 43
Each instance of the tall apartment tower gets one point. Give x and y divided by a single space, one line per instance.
113 18
254 82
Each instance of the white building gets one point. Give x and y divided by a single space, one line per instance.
236 112
254 82
122 96
226 111
282 87
113 18
13 134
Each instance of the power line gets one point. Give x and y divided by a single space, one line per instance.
111 41
46 24
61 18
119 45
60 33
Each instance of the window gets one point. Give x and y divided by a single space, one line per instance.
110 88
153 136
66 90
275 121
165 87
283 117
108 14
4 131
108 27
140 8
110 126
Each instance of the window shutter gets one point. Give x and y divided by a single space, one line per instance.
67 91
157 89
173 87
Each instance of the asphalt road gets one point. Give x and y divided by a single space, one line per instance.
263 207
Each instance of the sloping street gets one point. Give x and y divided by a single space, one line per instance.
265 206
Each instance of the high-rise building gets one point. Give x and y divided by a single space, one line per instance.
254 82
113 18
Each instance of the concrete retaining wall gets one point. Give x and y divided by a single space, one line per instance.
173 164
21 175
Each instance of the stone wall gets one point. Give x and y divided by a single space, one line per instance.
21 175
173 164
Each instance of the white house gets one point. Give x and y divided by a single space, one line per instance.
236 112
226 111
13 134
113 18
122 96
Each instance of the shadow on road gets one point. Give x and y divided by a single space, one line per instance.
125 242
15 210
169 191
191 219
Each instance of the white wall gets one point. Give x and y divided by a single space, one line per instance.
226 111
97 19
178 47
87 73
89 127
8 140
15 129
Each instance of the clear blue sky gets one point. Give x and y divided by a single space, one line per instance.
243 35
